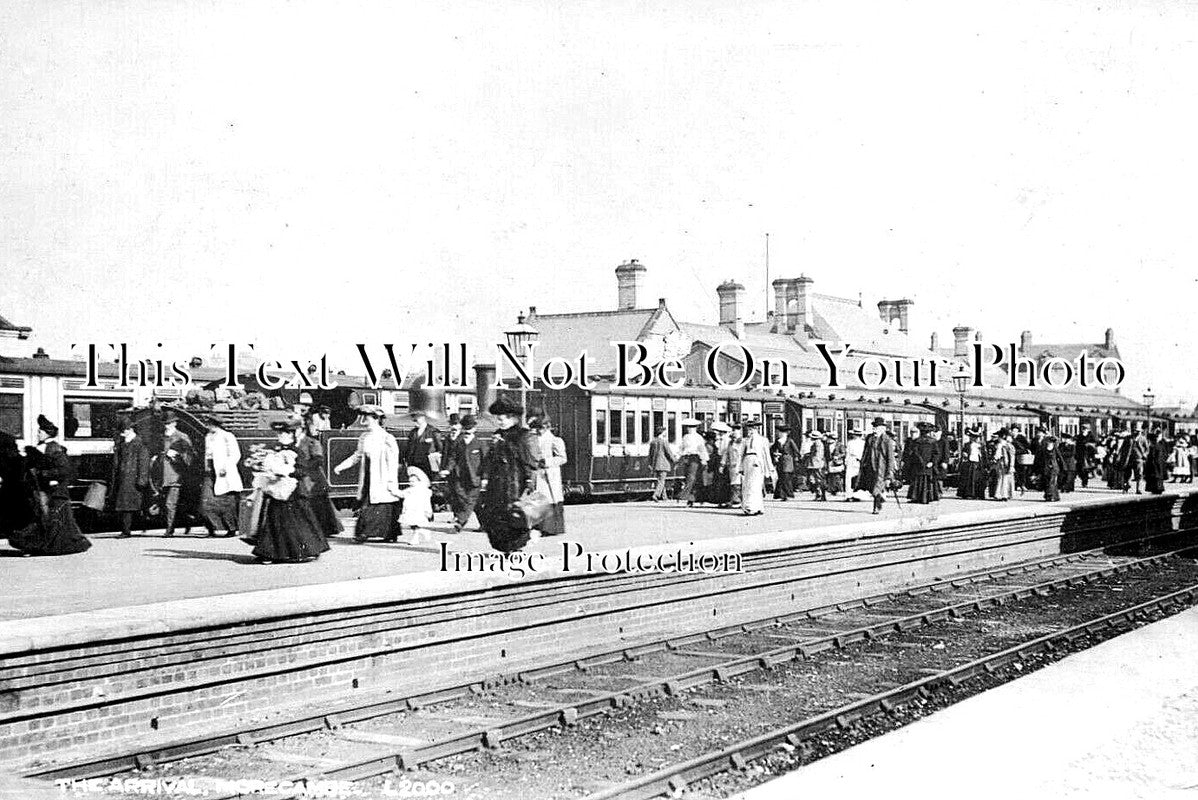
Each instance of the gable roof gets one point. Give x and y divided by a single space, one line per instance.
567 335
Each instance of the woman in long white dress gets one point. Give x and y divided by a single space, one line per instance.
755 467
1004 464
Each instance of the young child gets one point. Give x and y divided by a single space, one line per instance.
417 510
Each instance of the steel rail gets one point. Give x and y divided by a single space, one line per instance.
674 779
204 745
566 714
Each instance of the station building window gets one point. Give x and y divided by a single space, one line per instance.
12 414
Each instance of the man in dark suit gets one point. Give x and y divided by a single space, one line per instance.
661 462
465 456
786 455
424 445
877 464
1087 444
130 478
178 456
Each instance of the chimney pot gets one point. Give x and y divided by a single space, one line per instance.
1109 340
1025 341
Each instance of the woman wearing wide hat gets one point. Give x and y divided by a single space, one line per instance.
509 473
287 531
377 458
756 466
53 532
549 478
922 457
315 486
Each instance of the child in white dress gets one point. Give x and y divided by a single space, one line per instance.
417 510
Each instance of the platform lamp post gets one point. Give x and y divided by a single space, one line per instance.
961 383
519 339
1149 398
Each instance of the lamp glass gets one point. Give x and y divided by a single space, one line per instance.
961 382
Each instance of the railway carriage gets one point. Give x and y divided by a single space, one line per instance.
608 429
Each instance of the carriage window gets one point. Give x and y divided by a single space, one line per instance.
92 418
659 421
672 426
630 427
646 432
617 430
600 426
12 415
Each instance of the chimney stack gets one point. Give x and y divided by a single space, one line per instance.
484 391
1025 341
962 336
1109 340
731 296
891 310
780 320
628 279
800 317
935 341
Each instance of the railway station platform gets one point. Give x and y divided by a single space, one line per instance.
1114 722
150 569
147 641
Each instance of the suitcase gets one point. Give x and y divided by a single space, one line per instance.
97 495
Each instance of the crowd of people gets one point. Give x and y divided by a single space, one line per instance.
511 481
872 466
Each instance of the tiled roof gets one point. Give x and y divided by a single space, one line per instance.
1070 350
567 335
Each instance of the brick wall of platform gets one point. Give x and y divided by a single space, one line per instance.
70 700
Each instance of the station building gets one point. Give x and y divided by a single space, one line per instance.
801 321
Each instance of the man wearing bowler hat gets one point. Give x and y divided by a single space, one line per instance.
877 464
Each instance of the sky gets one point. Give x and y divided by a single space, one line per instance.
309 175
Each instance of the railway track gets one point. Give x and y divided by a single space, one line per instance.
409 742
675 779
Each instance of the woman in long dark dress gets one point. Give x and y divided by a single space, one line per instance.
921 466
53 531
1049 466
316 487
288 530
509 471
18 505
1156 466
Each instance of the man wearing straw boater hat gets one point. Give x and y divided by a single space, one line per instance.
221 494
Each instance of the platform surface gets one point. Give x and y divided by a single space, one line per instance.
1116 722
151 569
